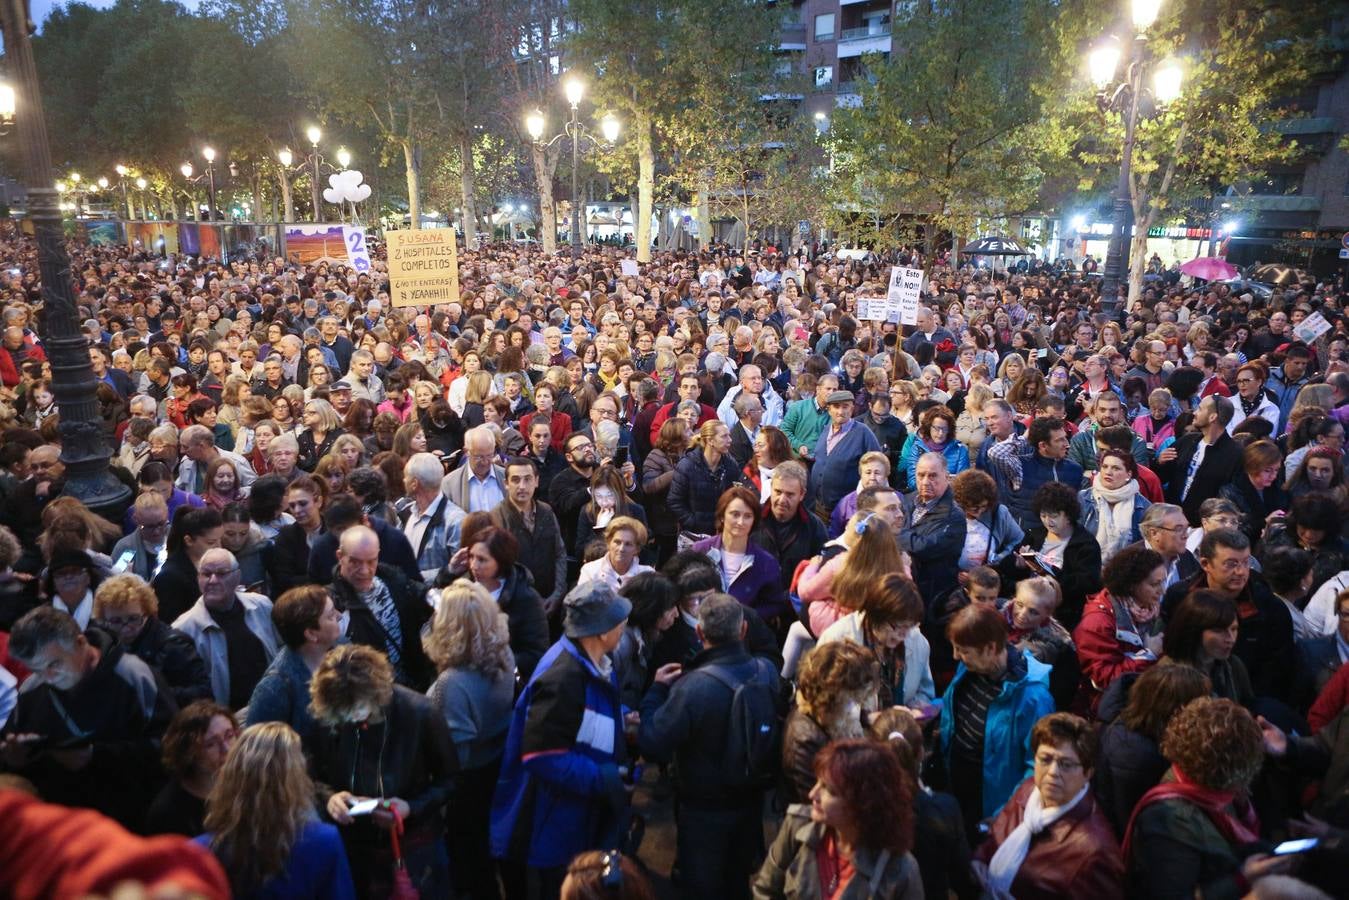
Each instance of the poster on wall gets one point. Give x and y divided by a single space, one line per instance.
308 244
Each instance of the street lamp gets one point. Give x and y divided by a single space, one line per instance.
141 185
209 154
75 191
84 448
315 135
8 106
1130 98
122 173
344 157
535 124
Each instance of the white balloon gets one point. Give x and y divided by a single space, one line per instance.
355 177
332 196
335 180
362 193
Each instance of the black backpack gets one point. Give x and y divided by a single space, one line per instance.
754 730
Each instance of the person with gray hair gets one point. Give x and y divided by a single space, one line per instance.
429 519
197 444
365 384
1165 531
687 717
934 528
749 411
102 703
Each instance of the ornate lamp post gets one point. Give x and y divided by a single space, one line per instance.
84 449
1131 99
535 123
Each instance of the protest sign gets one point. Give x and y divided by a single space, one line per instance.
905 286
423 266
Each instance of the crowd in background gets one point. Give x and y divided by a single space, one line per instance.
1014 601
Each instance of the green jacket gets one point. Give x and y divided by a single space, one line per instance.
790 870
804 423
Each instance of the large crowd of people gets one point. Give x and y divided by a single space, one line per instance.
1015 601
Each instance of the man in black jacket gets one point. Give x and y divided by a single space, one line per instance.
686 717
535 529
934 528
570 489
787 528
88 724
387 608
1199 464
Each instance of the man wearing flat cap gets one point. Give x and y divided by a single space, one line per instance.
562 785
838 450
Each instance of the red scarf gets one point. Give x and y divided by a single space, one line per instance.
1243 828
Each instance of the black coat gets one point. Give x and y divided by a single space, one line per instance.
742 445
525 619
311 452
408 754
695 490
1255 506
791 542
173 655
891 433
1128 764
413 612
288 560
394 551
569 492
1221 464
1080 576
176 586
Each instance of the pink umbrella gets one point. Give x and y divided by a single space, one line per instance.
1209 268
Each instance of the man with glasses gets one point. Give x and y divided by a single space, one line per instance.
1264 628
89 721
1152 371
1165 532
570 489
232 629
479 484
144 550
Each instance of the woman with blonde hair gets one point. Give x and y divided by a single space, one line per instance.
321 428
830 590
624 538
476 394
261 823
350 449
469 642
374 739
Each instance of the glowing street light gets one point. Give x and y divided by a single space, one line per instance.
574 88
535 123
343 157
315 134
285 157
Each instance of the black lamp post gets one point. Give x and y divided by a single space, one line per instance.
1131 99
84 449
534 124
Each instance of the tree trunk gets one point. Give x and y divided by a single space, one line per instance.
468 189
1138 260
257 201
646 186
704 215
287 198
543 180
412 162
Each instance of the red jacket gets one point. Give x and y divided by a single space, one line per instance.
1332 700
663 415
9 370
1077 856
1101 654
55 851
560 427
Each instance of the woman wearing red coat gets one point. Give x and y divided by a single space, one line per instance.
1121 627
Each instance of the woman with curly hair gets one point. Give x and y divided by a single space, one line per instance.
857 830
261 824
991 531
1191 835
193 750
1027 391
1121 628
835 682
127 606
470 644
374 739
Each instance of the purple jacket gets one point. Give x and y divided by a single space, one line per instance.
758 585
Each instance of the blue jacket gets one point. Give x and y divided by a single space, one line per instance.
934 543
317 867
1016 489
1091 515
834 473
1008 755
560 792
1005 535
957 457
282 694
1285 395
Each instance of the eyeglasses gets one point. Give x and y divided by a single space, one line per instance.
117 623
208 574
1044 761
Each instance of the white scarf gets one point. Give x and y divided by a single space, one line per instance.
1114 515
1004 865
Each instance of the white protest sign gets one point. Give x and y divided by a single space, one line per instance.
1311 328
629 268
905 286
872 309
358 252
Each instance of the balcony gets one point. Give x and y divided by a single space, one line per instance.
855 42
793 37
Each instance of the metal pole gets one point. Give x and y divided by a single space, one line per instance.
578 208
84 449
1113 283
314 188
210 188
126 202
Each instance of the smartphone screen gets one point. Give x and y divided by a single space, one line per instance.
1298 846
363 808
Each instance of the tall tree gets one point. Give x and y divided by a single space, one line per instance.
947 128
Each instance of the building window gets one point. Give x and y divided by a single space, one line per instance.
824 76
824 27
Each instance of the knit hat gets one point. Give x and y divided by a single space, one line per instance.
592 608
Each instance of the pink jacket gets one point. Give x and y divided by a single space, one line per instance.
815 588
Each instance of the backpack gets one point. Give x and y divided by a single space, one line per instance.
754 732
